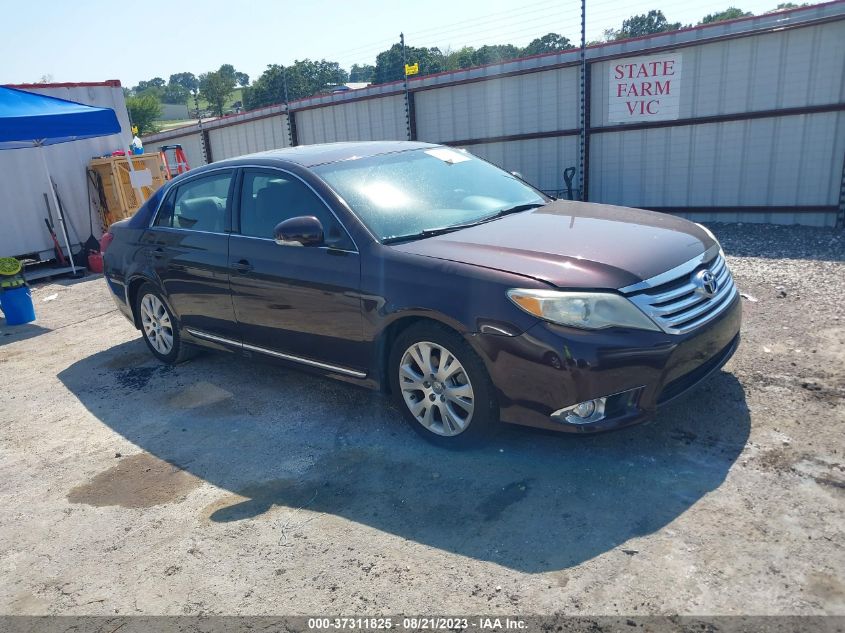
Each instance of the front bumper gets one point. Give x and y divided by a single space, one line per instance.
550 367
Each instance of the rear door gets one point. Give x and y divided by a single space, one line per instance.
188 246
301 301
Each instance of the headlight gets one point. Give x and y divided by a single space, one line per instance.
588 310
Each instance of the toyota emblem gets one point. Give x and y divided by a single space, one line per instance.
705 283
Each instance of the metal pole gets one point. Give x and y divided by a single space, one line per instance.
287 105
199 125
42 153
582 119
405 82
840 217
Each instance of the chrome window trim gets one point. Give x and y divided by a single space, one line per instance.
289 357
270 239
181 230
164 196
674 273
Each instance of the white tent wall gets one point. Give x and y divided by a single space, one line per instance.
22 180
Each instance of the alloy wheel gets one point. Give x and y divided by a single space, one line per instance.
436 388
158 327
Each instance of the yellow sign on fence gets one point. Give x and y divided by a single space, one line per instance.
412 69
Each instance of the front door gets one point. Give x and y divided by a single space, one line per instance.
301 301
188 245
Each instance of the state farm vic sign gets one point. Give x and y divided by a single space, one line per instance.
645 88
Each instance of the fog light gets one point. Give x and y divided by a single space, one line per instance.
586 412
585 409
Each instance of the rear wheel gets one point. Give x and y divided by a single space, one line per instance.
159 326
442 386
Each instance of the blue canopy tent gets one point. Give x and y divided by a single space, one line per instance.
33 120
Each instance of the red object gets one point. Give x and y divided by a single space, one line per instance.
118 152
95 262
180 161
58 249
104 242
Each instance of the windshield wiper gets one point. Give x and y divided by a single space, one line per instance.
457 227
516 209
426 233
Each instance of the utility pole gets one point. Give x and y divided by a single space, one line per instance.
199 125
287 105
840 219
405 83
582 111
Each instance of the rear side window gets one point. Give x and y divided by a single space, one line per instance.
270 197
198 205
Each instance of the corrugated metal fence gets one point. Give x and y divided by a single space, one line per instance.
754 129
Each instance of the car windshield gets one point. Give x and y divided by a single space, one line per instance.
409 193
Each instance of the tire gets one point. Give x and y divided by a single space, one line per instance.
161 332
463 410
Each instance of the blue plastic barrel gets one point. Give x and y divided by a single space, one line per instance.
17 306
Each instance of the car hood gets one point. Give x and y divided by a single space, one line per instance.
573 244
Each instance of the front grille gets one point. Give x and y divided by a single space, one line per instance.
678 306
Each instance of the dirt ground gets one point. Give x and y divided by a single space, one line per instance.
228 486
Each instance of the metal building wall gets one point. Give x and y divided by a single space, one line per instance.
784 69
772 162
191 143
249 137
23 183
776 161
525 104
760 134
540 161
378 119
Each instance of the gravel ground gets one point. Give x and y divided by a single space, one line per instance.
224 486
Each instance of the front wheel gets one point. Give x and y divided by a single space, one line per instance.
159 327
442 386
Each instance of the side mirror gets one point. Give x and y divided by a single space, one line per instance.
304 230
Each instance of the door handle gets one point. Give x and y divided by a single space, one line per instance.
158 253
243 266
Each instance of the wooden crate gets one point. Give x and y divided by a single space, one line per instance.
121 198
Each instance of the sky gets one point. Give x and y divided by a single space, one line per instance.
95 40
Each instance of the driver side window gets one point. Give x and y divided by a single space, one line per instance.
270 197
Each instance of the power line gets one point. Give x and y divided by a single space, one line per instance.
491 16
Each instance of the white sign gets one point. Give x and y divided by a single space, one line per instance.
141 178
645 88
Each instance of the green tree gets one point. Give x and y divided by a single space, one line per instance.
646 24
461 58
361 73
731 13
788 5
216 86
549 43
495 53
389 65
242 79
155 82
143 112
188 81
174 93
304 78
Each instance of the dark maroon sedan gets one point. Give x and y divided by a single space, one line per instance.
429 273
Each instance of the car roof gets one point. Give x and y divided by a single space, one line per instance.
313 155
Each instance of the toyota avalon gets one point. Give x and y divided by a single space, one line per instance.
428 273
